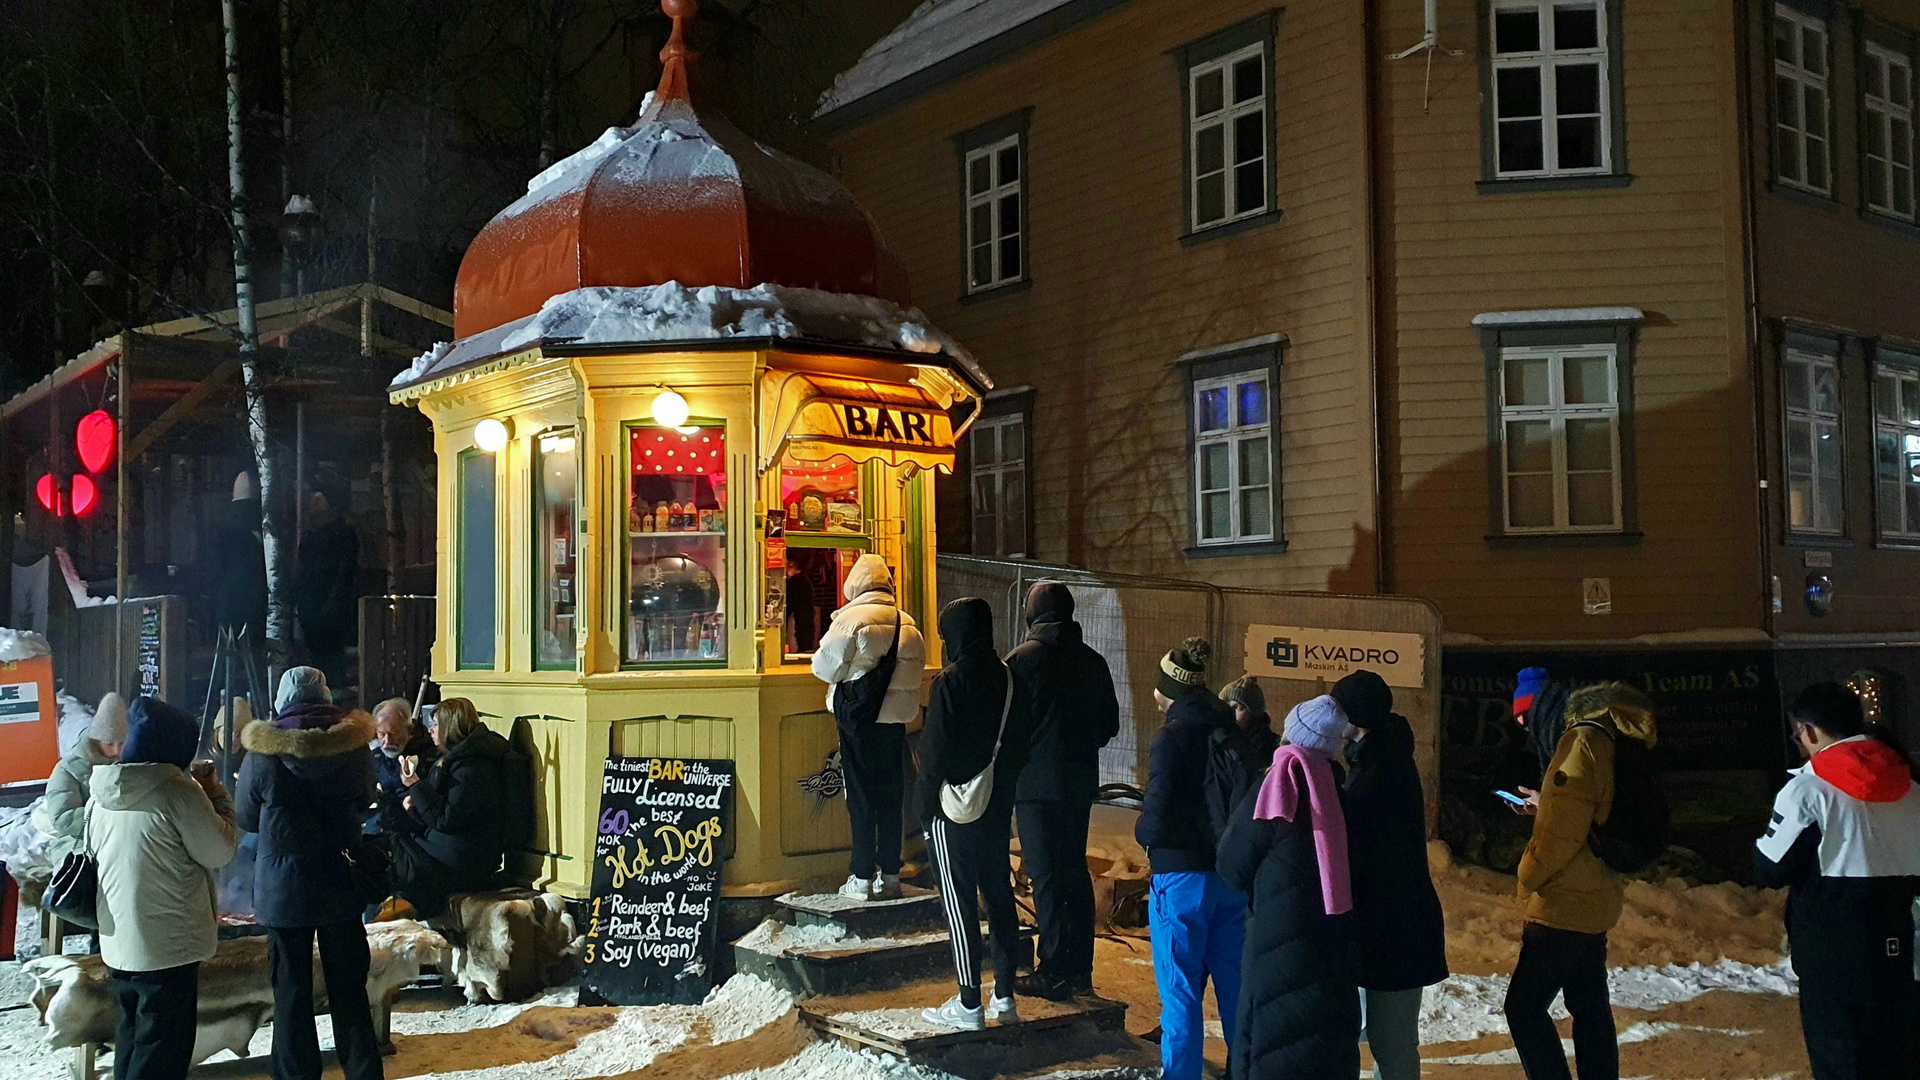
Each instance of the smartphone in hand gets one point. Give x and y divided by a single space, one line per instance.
1510 798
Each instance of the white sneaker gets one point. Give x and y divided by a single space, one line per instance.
1001 1009
885 887
857 889
955 1015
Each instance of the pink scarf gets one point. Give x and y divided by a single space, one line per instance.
1294 768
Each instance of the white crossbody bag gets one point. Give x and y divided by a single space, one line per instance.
965 803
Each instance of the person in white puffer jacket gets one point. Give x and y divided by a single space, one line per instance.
873 675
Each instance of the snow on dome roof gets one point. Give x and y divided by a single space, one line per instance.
676 313
937 30
682 195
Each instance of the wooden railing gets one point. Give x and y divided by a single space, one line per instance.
152 653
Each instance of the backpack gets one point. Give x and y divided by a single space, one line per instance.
1636 831
1229 777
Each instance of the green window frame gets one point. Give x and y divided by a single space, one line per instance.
556 550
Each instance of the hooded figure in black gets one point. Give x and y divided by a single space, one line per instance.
1067 688
1403 946
327 587
974 718
307 780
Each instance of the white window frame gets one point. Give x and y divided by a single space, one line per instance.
1233 436
1906 433
1890 120
1227 119
1806 82
1546 59
1556 412
1816 421
997 474
997 188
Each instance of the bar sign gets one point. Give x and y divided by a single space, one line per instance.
19 703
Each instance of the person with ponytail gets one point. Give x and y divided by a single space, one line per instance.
1198 923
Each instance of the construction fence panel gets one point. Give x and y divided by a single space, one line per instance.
1130 620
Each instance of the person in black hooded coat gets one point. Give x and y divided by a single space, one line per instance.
1403 939
1298 1014
306 781
1067 688
968 705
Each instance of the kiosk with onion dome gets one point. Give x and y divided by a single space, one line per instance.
682 400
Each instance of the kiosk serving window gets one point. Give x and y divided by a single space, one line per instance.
827 530
474 642
556 547
677 545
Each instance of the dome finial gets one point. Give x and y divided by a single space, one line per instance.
677 55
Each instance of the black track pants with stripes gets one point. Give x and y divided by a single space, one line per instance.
973 864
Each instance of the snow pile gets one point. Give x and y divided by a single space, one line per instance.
937 30
614 315
1467 1007
1663 923
604 315
22 846
773 938
574 166
75 715
22 645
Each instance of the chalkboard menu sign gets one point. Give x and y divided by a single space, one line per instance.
653 922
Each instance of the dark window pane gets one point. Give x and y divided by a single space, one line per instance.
1576 28
1576 89
1786 153
1522 148
1529 501
1590 445
1529 446
1009 214
1816 111
1516 31
1590 499
1209 93
1517 92
1210 149
1580 143
1817 163
982 265
1249 187
1246 79
1813 50
1216 467
1010 258
1786 43
982 223
1786 101
1213 409
1010 165
1211 198
1249 137
979 175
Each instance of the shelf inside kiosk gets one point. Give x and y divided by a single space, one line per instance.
828 526
677 546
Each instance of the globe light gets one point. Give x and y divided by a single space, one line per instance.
670 410
490 435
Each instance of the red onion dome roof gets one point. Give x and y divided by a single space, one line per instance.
682 195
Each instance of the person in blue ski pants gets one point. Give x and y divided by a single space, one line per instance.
1198 923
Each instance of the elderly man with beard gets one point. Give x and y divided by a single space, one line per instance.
397 735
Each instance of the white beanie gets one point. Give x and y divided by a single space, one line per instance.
109 723
1317 724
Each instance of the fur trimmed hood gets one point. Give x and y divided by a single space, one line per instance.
353 732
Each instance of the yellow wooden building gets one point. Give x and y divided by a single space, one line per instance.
679 406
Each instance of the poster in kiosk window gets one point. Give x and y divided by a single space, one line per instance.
652 934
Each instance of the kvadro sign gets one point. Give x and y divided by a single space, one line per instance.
1309 653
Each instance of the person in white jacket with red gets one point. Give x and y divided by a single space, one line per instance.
872 659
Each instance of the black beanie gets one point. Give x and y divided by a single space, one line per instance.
1364 697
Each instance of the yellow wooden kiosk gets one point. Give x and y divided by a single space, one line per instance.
678 406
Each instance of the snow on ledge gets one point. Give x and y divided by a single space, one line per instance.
22 645
656 314
937 30
1552 316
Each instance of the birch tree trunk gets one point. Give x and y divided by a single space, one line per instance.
278 629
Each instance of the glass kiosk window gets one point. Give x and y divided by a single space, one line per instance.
826 532
677 545
474 642
556 547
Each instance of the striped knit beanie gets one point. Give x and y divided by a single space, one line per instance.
1183 671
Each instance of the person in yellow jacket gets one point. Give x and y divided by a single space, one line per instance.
1571 898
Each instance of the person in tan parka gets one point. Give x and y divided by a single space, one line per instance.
1572 899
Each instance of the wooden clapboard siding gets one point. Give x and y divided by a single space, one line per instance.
1116 299
1669 244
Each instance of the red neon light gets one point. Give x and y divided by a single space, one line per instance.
48 493
94 437
85 495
